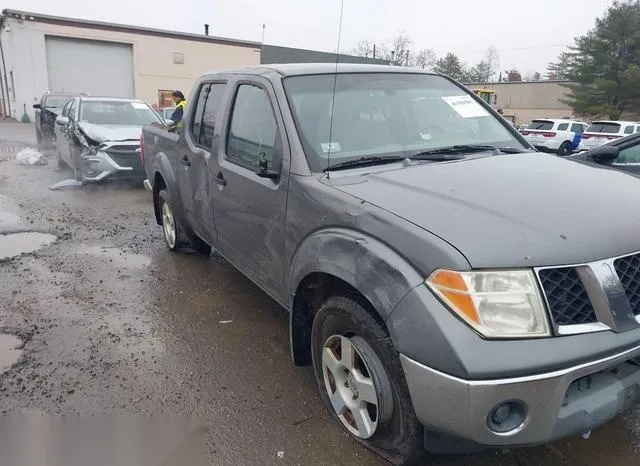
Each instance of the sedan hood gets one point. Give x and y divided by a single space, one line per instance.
104 133
513 210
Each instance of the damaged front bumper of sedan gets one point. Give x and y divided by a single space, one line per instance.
112 160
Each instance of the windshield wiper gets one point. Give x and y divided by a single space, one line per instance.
452 152
364 161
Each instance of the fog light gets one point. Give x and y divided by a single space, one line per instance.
507 417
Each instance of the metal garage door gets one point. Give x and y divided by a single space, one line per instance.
99 68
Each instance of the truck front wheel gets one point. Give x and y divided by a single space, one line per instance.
361 380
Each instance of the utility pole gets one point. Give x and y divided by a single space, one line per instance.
374 51
262 44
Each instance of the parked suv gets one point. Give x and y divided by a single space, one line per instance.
558 136
600 132
441 292
47 110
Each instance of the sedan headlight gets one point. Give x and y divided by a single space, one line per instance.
497 304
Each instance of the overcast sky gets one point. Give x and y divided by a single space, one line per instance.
527 34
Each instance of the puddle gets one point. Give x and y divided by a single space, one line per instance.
9 355
14 244
118 256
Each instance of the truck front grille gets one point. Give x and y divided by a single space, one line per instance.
628 270
569 303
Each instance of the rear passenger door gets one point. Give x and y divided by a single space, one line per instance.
250 204
195 163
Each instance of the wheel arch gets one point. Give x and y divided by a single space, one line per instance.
341 261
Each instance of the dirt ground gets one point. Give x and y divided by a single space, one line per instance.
113 322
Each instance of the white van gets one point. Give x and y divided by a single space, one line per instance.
600 132
551 135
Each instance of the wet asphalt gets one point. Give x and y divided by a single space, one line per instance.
111 321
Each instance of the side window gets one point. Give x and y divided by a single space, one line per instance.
196 122
577 128
253 128
629 154
210 114
629 129
563 126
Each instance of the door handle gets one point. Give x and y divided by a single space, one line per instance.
185 161
220 179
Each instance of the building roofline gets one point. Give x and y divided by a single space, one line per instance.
83 23
542 81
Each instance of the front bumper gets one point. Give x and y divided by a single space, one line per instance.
558 404
112 160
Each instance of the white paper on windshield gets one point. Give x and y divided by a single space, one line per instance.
465 106
139 105
331 147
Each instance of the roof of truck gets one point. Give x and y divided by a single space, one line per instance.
299 69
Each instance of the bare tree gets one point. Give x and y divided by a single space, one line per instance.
364 48
398 49
425 59
492 60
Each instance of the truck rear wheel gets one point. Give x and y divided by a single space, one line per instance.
173 235
361 381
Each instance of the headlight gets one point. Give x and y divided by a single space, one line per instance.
497 304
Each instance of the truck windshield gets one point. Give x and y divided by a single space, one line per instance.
117 112
387 114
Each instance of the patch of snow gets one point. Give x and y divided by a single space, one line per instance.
30 156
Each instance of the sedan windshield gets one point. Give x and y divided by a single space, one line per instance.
387 115
117 112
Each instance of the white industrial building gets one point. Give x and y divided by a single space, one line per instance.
41 52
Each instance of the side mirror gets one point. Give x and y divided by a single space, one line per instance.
264 171
37 106
62 120
604 154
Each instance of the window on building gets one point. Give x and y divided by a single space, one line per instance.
253 128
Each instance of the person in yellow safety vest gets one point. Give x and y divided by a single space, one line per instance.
181 106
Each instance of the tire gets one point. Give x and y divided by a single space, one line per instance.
564 149
395 434
173 235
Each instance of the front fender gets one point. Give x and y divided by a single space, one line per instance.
374 269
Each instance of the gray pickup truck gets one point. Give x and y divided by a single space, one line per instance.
452 288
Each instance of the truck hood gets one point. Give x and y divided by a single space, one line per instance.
514 210
104 133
